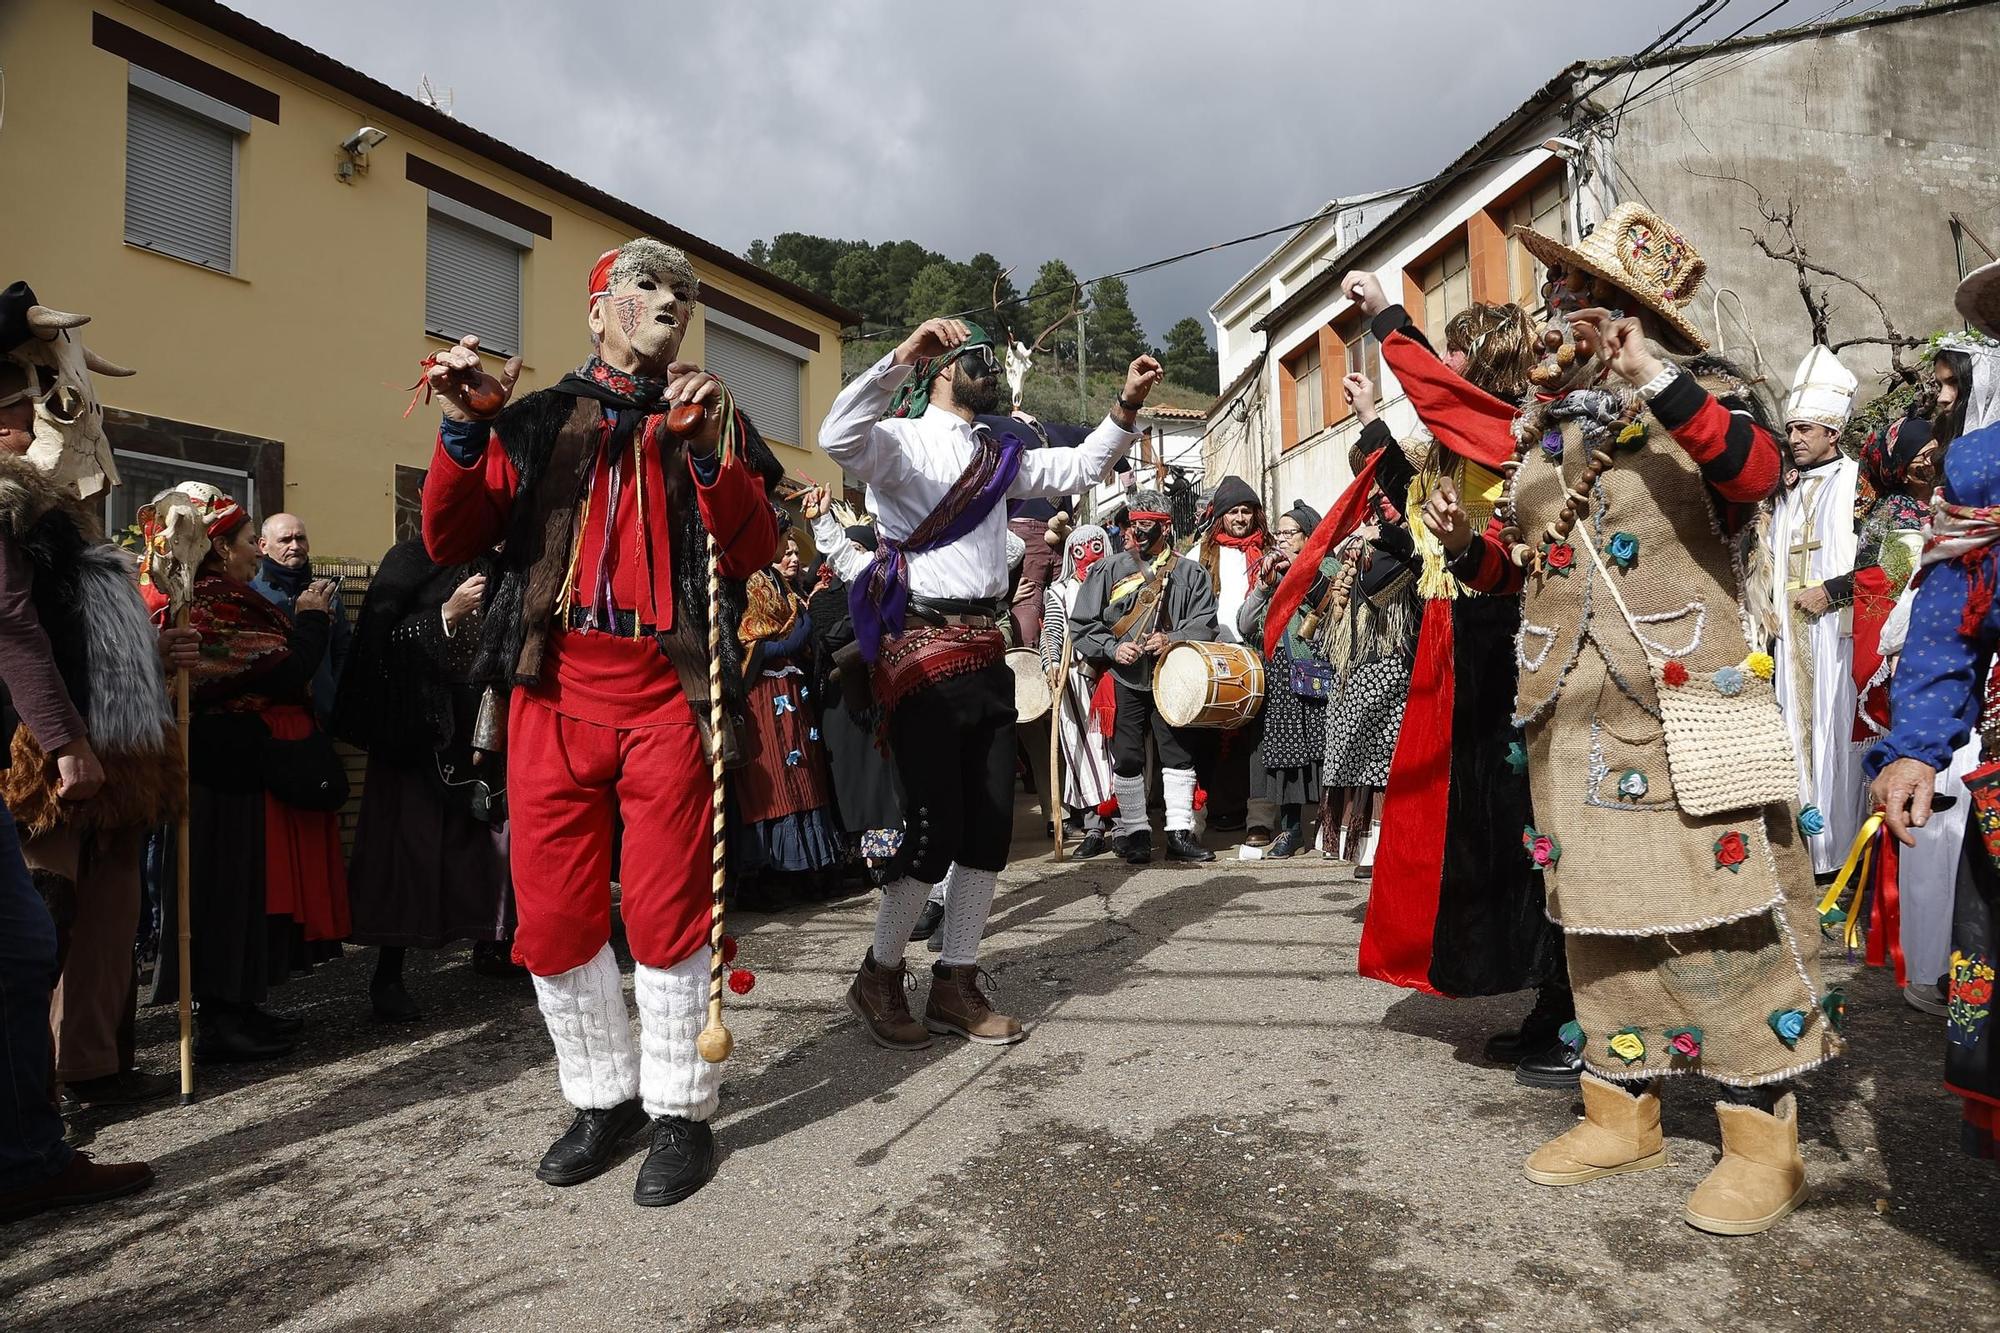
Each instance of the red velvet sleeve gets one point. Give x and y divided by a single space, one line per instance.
1738 457
466 508
735 508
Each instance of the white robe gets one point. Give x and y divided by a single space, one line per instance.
1234 570
1086 752
1815 683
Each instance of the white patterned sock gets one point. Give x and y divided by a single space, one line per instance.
585 1012
673 1004
965 914
1177 786
902 903
1131 794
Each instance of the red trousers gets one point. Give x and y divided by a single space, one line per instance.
570 783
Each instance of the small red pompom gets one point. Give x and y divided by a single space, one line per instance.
1108 806
1201 798
728 949
741 980
1675 674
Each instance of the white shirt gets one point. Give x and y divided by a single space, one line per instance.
1233 569
909 464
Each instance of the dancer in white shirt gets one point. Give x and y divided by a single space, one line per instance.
927 614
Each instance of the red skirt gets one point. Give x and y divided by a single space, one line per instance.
305 873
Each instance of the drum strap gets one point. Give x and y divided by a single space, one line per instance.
1150 592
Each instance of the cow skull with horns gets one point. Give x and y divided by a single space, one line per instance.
69 446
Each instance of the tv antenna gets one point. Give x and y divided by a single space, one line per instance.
436 101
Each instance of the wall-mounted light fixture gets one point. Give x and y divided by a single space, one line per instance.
354 149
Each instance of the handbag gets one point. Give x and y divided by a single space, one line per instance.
1311 679
305 773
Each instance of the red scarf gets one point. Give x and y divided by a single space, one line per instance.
1252 546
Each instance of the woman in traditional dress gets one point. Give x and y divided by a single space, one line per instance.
1370 647
1084 735
785 823
1296 681
267 879
430 851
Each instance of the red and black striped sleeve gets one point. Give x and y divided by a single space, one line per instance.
1484 566
1738 457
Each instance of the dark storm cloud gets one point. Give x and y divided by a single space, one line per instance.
1102 134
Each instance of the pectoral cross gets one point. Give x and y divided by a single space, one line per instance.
1801 554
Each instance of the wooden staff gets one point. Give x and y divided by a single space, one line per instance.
715 1042
184 927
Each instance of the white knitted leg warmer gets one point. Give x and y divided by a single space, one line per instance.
585 1010
965 914
673 1005
902 903
1177 786
1131 792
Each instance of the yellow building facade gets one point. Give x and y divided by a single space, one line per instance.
207 190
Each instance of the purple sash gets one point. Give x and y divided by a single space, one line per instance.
880 598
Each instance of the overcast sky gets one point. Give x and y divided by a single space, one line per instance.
1103 134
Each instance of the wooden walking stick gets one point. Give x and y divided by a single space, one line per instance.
174 542
184 927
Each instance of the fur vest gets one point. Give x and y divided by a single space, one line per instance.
107 650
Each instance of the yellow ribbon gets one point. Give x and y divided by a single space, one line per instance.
1860 859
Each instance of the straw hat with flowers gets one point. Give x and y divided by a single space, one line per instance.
1640 253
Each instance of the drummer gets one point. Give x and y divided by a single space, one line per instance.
1133 605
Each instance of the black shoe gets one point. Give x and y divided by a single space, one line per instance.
226 1037
274 1027
121 1089
1555 1067
1183 846
587 1146
1364 872
1227 823
1284 845
392 1003
1136 848
682 1160
1092 845
495 958
928 923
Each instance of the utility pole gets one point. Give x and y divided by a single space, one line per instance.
1082 371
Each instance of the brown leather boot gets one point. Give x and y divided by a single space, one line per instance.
81 1181
1619 1133
877 999
1761 1176
957 1006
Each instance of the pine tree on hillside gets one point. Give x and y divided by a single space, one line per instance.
976 293
937 290
857 283
1112 336
1051 296
1189 360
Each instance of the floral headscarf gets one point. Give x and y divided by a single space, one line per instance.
1886 456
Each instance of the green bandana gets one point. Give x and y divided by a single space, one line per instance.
914 394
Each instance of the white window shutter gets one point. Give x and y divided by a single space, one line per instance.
180 182
763 380
472 284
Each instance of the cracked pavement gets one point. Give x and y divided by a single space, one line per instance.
1213 1125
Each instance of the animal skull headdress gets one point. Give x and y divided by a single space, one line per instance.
70 445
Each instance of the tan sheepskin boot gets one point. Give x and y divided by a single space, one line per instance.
1619 1133
1761 1176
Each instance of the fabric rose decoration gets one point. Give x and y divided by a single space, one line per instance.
1731 851
1517 756
1789 1024
1728 681
1761 665
1552 444
1674 674
1811 822
1571 1035
1628 1045
1834 1005
1632 784
1560 558
1685 1043
1632 435
1543 850
741 980
1623 548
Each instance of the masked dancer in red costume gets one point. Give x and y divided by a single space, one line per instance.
598 616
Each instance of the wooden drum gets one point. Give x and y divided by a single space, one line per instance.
1219 685
1032 697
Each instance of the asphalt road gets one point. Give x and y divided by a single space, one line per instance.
1214 1125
